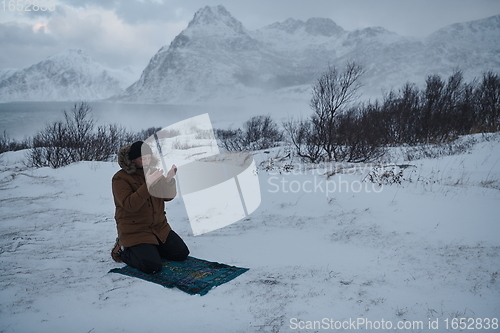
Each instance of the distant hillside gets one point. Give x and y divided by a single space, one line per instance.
66 76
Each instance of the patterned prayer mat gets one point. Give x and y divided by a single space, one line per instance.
193 275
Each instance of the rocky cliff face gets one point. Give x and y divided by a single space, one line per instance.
216 57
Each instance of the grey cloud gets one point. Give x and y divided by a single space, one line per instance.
22 46
401 16
134 11
20 34
41 14
104 4
35 14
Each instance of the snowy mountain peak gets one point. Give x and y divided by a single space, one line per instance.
371 32
217 16
193 60
477 35
322 26
70 53
490 25
315 26
68 75
216 57
289 25
70 58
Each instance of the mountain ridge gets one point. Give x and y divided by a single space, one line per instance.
293 53
217 58
69 75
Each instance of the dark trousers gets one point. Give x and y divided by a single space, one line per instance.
147 257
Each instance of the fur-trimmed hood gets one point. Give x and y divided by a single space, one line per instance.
126 164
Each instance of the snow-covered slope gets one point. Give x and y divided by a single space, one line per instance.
423 250
205 59
216 57
6 73
473 46
67 76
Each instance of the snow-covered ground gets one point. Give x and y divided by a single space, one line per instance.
398 254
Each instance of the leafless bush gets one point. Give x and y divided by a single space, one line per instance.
488 100
177 144
204 134
259 132
144 134
231 140
305 139
337 130
50 147
8 144
333 94
427 120
441 111
78 139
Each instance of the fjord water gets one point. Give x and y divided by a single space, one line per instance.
24 119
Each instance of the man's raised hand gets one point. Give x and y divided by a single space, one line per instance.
171 173
152 177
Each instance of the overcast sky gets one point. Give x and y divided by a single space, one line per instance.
121 33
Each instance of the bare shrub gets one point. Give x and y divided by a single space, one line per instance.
144 134
185 145
204 134
50 147
488 99
259 132
332 94
8 144
77 139
231 140
305 139
337 130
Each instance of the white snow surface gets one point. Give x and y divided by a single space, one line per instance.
422 250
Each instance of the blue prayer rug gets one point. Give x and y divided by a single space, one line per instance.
193 275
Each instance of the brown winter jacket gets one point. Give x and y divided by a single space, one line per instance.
140 217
